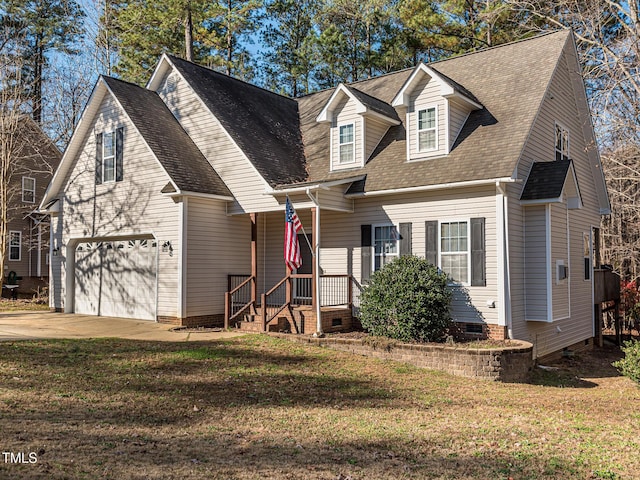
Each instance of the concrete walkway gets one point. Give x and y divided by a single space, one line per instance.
39 325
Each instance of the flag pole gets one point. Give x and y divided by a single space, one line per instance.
305 234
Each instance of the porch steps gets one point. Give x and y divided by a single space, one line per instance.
334 319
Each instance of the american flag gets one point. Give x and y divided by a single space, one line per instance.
291 246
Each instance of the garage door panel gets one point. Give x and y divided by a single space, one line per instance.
116 278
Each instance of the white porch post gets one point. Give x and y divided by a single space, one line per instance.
316 259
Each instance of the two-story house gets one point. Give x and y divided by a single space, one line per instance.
32 159
169 202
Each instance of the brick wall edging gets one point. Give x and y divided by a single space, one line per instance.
510 364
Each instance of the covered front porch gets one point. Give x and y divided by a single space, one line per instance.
271 297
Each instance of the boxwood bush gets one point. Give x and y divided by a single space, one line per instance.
408 299
629 366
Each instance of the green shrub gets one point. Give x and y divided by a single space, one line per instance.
408 300
629 366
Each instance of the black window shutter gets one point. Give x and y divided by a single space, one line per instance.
478 257
98 159
119 145
365 252
405 239
431 235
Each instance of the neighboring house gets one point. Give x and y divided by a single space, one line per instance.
34 158
486 164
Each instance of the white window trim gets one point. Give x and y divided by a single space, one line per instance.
435 129
339 164
555 149
590 257
104 157
29 190
468 252
11 232
373 242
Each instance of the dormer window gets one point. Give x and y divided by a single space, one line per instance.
347 144
427 130
562 143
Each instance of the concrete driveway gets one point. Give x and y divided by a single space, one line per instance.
39 325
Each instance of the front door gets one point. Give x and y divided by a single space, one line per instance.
302 286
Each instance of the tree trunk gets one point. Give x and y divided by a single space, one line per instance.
188 34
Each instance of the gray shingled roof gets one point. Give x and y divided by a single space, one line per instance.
375 104
509 81
175 150
263 124
546 180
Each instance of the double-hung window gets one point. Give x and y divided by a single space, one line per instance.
562 143
109 161
347 144
427 130
385 241
15 245
454 250
28 190
109 157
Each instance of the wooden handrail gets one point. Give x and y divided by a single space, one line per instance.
277 285
241 285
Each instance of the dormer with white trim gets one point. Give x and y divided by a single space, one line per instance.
437 109
358 123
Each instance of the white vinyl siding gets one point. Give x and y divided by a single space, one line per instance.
535 256
344 115
219 245
558 107
426 96
559 253
237 172
374 132
458 114
122 209
341 236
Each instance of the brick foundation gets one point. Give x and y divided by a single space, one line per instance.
489 331
196 321
510 364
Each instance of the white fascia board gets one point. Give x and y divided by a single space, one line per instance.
440 186
382 117
402 98
457 95
326 115
212 196
314 186
541 201
161 68
68 158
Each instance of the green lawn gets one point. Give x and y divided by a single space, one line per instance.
257 407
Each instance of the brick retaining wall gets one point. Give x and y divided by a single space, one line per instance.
509 364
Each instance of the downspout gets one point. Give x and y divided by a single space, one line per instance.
316 259
504 279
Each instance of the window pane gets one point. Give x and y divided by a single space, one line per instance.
346 133
109 144
427 119
427 140
109 170
346 153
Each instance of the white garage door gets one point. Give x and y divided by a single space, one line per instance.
116 278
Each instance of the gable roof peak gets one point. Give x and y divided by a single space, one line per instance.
365 105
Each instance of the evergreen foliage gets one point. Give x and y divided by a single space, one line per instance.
408 299
629 366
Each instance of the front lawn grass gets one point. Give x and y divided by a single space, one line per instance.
258 407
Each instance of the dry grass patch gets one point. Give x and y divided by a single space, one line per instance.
257 407
21 304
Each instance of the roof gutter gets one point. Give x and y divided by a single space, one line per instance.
440 186
315 186
199 195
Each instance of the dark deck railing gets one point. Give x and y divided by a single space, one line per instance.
292 291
